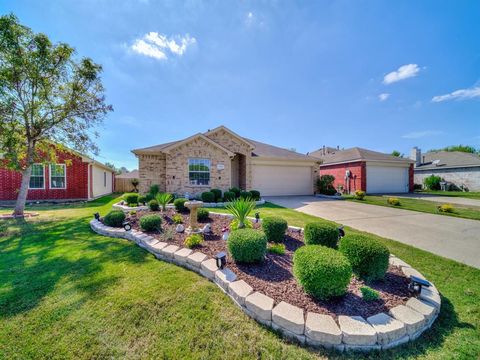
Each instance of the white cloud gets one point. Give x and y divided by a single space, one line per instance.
383 97
461 94
421 134
403 72
159 46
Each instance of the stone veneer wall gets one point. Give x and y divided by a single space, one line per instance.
151 171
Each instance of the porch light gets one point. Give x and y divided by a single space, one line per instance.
96 216
127 226
257 217
221 259
416 284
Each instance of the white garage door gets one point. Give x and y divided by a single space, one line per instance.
386 179
272 180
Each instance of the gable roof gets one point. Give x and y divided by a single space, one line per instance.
193 137
448 159
235 135
357 154
263 150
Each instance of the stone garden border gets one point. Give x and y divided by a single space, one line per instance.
404 323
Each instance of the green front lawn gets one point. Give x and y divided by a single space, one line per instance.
470 195
66 292
462 211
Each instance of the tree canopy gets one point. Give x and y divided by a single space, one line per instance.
462 148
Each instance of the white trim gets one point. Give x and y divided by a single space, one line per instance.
64 175
199 171
42 188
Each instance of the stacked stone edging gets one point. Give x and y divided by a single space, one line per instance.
382 331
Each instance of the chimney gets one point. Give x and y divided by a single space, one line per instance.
416 155
323 149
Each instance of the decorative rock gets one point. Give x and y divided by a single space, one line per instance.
239 290
196 259
397 262
224 277
289 317
207 229
208 268
180 228
423 308
408 271
387 328
431 297
260 306
322 329
169 250
412 319
356 331
182 255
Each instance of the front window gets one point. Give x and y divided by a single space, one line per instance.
199 171
57 176
37 178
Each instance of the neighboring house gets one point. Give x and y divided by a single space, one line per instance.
459 168
367 170
73 177
222 159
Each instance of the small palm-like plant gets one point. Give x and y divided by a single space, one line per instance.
240 208
163 199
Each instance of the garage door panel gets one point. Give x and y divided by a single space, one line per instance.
273 180
387 179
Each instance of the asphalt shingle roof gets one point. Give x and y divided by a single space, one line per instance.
355 154
448 159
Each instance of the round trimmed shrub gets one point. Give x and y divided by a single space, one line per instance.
255 194
131 198
318 233
274 228
369 257
236 191
247 245
142 199
217 193
151 222
229 196
153 205
208 197
114 218
245 195
180 204
149 197
202 214
323 272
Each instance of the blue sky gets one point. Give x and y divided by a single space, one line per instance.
380 75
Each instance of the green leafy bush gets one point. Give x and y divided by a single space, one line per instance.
114 218
359 195
208 197
324 185
369 257
275 228
153 205
255 195
323 272
193 240
177 219
369 294
148 197
163 199
240 208
432 182
217 193
151 222
317 233
131 198
180 204
236 191
228 196
247 245
278 249
202 214
393 201
246 195
154 190
142 199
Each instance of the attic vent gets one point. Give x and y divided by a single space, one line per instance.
436 162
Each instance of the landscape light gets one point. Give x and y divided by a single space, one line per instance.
221 259
127 226
257 217
416 284
96 216
341 232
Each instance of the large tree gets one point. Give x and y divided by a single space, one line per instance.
49 99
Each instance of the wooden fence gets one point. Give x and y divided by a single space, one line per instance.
123 185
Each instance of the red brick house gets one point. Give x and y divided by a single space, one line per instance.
73 177
367 170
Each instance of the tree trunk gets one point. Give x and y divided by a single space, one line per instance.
22 195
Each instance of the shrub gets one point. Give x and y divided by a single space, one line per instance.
368 294
255 195
274 228
228 196
142 199
417 187
132 213
446 208
236 191
247 245
240 208
324 185
393 201
323 272
177 219
131 198
246 195
114 218
278 249
168 234
180 204
317 233
208 197
163 199
153 205
193 240
217 193
154 190
432 182
369 257
151 222
202 214
148 197
359 195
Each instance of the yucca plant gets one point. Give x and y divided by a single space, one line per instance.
240 208
163 199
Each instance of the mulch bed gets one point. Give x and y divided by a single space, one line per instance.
274 277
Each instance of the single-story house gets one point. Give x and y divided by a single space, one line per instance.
222 159
367 170
74 177
459 168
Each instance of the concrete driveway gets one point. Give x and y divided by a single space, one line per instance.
454 238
